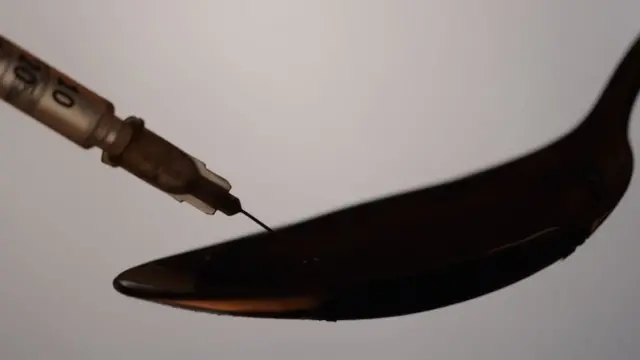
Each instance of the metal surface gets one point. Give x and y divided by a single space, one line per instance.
423 249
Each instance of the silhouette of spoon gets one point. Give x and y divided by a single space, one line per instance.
422 249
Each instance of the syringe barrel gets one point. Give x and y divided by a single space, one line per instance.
57 101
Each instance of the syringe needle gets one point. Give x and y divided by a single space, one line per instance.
89 120
256 220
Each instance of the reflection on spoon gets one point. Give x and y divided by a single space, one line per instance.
422 249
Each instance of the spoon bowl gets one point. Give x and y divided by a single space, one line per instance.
422 249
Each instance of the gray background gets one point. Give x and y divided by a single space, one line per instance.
305 106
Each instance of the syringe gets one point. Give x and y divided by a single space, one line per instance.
87 119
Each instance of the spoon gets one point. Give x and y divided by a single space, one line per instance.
422 249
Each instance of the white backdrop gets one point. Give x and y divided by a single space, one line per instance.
305 106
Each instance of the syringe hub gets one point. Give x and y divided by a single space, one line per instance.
163 165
